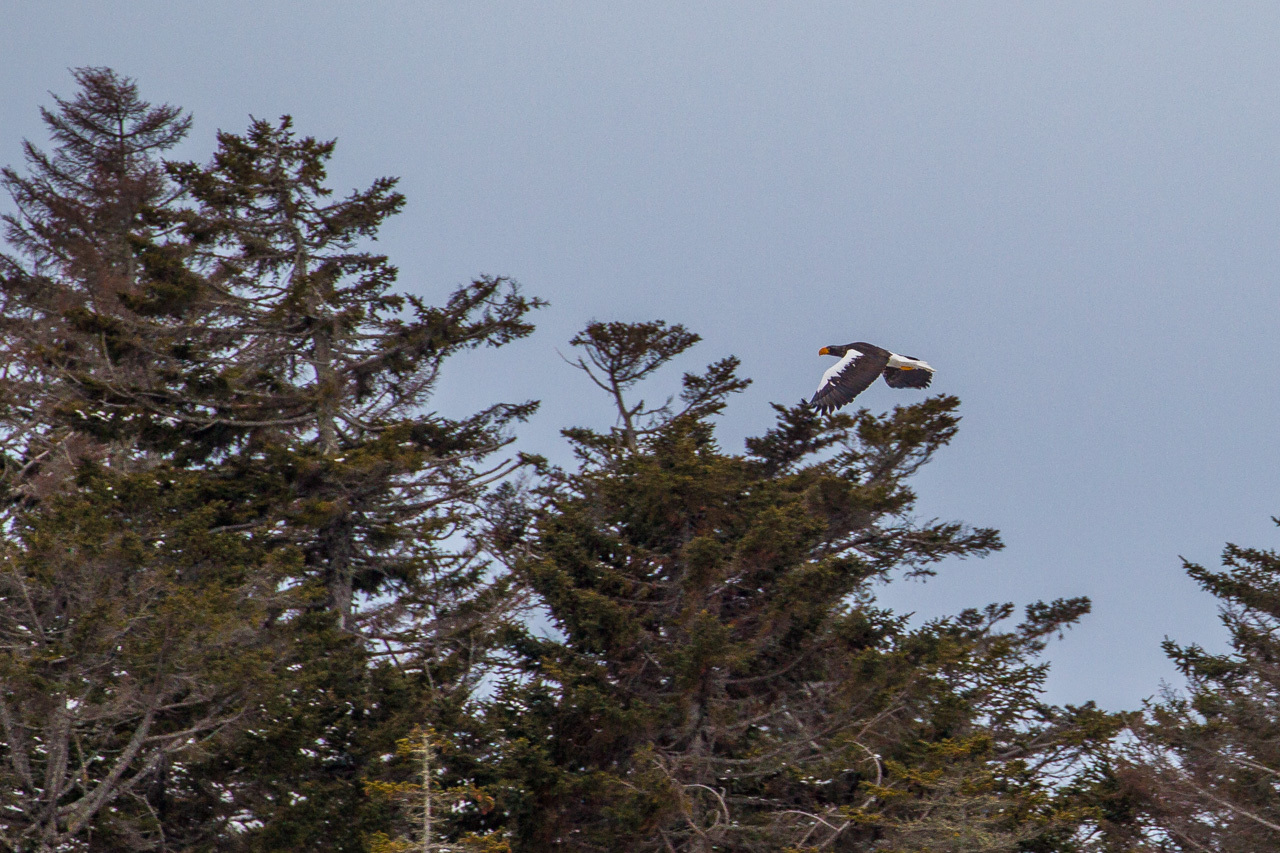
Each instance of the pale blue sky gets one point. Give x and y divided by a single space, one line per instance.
1069 209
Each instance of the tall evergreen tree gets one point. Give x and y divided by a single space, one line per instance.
222 327
130 616
92 298
1205 765
723 679
323 370
313 404
131 641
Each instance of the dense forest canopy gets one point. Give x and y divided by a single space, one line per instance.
256 594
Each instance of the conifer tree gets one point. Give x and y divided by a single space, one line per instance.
298 395
1204 769
723 679
237 339
93 298
313 405
130 617
323 370
131 640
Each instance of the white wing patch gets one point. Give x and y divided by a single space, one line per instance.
907 361
836 369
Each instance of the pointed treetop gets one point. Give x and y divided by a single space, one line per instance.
619 355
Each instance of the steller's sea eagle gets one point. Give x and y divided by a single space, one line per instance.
858 367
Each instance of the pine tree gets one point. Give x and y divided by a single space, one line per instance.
1205 765
425 804
723 678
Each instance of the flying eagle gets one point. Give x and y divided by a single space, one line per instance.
858 367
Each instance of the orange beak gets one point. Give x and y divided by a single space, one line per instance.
825 351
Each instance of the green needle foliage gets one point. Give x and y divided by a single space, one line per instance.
131 639
312 404
88 344
227 325
721 677
321 370
1203 771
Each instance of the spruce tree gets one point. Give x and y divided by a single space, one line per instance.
324 370
313 407
94 298
235 338
131 643
131 614
1203 771
721 677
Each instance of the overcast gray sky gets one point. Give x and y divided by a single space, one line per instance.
1069 209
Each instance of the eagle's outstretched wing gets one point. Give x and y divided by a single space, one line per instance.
848 378
916 377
